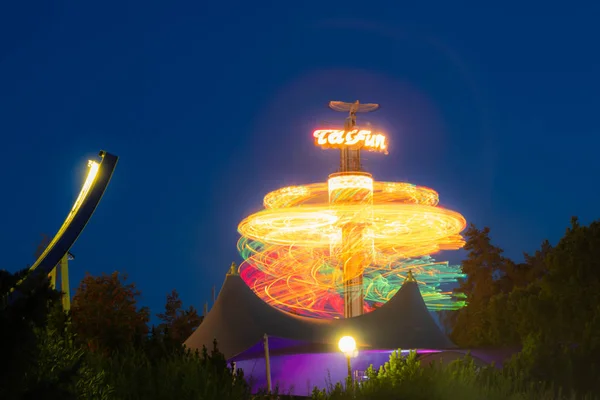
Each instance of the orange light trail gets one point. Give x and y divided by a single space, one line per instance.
293 248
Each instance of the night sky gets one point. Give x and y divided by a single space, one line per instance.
210 106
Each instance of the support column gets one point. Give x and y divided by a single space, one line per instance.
52 277
267 363
353 252
64 282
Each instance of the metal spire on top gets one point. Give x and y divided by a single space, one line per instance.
233 269
352 109
410 277
350 159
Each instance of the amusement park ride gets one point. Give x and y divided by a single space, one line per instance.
352 186
341 248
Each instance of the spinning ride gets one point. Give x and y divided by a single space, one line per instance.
343 247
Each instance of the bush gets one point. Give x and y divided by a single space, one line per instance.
404 378
133 374
62 370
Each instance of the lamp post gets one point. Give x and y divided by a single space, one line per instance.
347 345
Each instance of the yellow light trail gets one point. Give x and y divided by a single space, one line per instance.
294 246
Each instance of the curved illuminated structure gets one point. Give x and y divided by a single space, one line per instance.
343 247
94 186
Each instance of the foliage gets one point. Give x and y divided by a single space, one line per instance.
404 378
105 313
176 321
62 370
57 366
39 356
134 374
485 267
549 305
563 346
18 325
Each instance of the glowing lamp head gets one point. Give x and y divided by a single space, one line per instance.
347 345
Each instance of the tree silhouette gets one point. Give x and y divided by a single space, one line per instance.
486 269
177 322
18 323
549 304
562 308
105 313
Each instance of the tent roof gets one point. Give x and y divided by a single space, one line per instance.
239 319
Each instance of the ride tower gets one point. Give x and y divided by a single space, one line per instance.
313 247
352 249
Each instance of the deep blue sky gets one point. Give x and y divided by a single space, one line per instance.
210 106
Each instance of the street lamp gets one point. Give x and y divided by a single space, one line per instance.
347 345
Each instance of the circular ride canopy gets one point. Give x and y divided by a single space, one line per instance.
294 248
